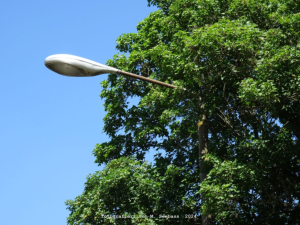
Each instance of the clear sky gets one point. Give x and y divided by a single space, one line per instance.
49 124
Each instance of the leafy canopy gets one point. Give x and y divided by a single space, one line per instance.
243 58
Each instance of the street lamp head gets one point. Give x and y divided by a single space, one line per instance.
74 66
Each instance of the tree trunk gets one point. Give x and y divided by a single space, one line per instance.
203 140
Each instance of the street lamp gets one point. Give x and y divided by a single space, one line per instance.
75 66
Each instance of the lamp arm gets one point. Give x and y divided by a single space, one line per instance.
146 79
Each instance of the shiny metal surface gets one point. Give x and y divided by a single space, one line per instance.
75 66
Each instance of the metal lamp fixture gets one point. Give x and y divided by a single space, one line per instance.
75 66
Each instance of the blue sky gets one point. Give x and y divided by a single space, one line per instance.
49 123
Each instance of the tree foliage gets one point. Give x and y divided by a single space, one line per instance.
242 57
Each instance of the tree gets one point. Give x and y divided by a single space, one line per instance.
236 64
